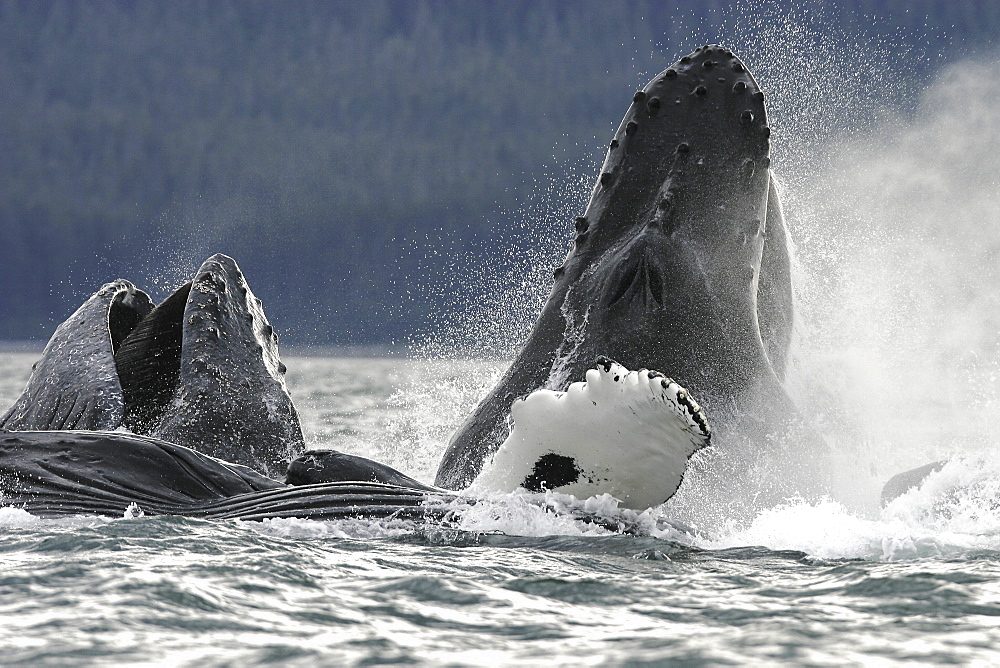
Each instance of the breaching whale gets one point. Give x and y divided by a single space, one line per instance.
680 263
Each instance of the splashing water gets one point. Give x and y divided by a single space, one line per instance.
890 191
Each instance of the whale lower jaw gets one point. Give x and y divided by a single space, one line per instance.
625 433
75 384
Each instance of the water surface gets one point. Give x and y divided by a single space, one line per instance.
806 582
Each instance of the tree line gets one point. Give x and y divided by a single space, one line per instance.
331 147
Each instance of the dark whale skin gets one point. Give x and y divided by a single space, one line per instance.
324 466
901 483
665 269
74 385
200 370
230 401
59 473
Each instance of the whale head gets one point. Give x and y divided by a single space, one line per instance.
666 265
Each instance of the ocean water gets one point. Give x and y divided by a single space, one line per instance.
808 581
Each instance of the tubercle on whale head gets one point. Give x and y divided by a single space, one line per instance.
240 304
697 132
678 211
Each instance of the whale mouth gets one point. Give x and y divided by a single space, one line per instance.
126 311
201 369
149 362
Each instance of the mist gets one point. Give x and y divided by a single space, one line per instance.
898 289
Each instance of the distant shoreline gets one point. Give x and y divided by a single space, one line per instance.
30 346
359 351
342 351
21 346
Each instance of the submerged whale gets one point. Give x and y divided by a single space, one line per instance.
680 263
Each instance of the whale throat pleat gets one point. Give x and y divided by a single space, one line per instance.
149 362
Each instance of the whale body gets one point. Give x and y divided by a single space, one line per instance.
56 473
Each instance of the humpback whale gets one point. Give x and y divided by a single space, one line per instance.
201 369
680 263
901 483
53 473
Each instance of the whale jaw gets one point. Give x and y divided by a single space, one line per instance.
75 384
230 400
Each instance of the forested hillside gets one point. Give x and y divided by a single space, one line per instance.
321 143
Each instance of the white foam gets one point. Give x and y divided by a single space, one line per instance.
133 512
628 433
520 514
951 513
19 518
358 529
